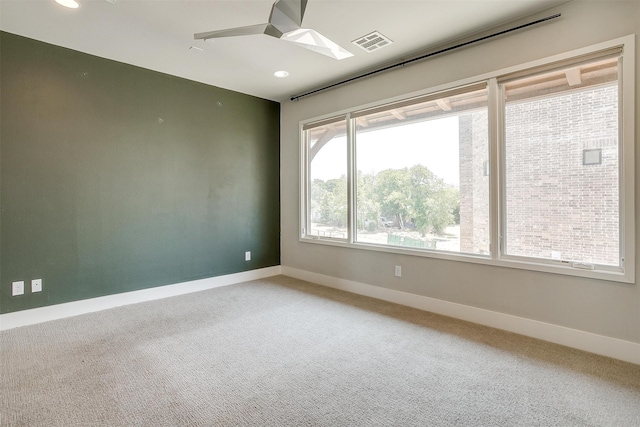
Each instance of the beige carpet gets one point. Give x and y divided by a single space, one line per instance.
282 352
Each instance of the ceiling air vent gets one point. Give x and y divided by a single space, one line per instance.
372 41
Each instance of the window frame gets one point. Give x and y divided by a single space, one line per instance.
477 93
497 170
503 189
305 189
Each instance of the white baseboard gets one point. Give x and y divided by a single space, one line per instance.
593 343
75 308
599 344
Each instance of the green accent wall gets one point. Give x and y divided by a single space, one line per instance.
115 178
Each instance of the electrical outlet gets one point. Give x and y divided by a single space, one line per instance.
398 271
36 285
247 256
17 288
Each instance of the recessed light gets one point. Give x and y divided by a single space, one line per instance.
72 4
281 74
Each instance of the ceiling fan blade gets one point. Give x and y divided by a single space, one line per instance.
284 23
286 15
267 29
313 40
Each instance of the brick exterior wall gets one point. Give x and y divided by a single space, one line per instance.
557 207
474 183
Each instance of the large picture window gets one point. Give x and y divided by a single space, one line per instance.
420 180
530 167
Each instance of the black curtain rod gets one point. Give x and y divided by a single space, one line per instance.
409 61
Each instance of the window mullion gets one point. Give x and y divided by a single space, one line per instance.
305 189
626 167
495 128
352 179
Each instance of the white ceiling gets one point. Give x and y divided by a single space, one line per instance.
158 34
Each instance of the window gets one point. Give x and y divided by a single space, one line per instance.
420 179
327 159
561 149
532 168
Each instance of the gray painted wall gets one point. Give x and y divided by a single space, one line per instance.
601 307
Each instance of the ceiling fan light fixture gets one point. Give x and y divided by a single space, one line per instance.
313 40
71 4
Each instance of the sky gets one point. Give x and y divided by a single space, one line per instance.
432 143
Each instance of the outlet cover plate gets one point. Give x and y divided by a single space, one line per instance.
398 271
36 285
17 288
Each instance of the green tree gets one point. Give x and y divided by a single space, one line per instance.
418 195
368 206
329 201
318 200
434 201
393 194
413 195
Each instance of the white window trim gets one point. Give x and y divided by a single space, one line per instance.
497 258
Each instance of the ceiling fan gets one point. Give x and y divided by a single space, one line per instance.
285 23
